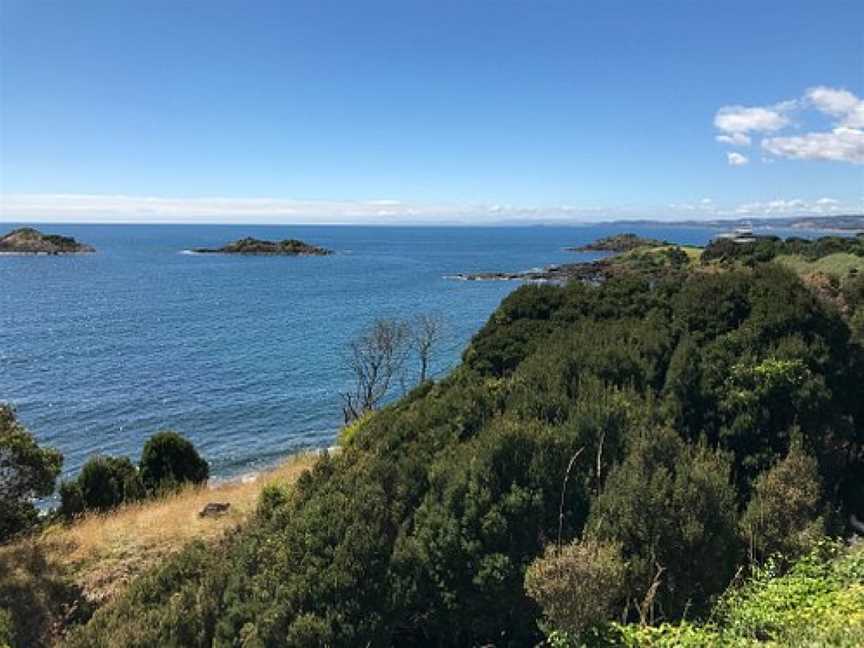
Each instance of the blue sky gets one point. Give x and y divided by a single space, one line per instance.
399 111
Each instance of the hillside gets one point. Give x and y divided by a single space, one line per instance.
60 576
655 434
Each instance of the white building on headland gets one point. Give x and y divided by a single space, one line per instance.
743 234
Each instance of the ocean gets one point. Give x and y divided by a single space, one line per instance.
243 355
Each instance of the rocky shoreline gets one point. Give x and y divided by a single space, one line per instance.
589 271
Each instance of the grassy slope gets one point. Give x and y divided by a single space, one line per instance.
837 264
68 567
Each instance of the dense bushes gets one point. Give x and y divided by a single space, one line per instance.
668 401
104 482
167 462
672 509
786 513
766 248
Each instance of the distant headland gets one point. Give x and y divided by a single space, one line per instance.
28 240
253 246
618 243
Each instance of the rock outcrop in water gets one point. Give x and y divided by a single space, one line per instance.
28 240
253 246
619 243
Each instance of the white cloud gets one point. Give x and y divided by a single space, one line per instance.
840 104
735 139
795 207
151 209
743 119
828 202
841 144
736 159
844 142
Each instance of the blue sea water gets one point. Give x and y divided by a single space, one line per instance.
244 355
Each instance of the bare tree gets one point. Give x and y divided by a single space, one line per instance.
375 360
427 331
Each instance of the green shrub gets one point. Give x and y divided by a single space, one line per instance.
26 472
5 628
785 514
672 509
177 603
168 461
102 484
71 499
349 431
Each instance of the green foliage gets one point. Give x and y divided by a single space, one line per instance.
663 401
104 482
785 515
349 431
672 509
168 461
818 602
825 588
26 472
857 324
36 596
767 248
514 330
175 605
5 628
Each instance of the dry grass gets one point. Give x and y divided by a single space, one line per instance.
102 553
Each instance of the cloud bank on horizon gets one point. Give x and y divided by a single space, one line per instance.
83 208
841 141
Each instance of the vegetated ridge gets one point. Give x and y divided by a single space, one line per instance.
670 443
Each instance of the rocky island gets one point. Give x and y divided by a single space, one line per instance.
619 243
253 246
28 240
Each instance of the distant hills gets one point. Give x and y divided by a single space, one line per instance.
845 222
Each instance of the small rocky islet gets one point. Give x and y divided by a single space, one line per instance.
253 246
28 240
619 243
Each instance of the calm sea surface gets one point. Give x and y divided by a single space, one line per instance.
240 354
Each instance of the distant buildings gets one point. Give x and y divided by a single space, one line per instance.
743 234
